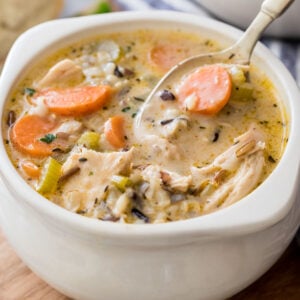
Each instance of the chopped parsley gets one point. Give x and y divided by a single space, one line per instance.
29 91
48 138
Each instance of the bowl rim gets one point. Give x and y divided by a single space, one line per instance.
241 218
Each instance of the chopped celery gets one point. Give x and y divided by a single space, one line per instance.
121 182
90 140
242 91
49 177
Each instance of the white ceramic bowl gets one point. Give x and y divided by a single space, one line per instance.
211 257
242 12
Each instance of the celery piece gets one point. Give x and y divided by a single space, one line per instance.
90 140
242 92
121 182
49 177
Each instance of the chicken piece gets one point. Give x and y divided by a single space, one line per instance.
244 145
233 174
64 73
175 181
80 191
162 184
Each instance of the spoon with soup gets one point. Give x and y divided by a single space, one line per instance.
203 83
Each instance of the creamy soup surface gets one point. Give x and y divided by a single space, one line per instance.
205 142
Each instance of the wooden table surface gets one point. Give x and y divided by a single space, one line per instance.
17 282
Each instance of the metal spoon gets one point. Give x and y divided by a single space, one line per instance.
238 54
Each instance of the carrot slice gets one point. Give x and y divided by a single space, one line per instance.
76 101
165 56
26 133
206 90
30 169
114 131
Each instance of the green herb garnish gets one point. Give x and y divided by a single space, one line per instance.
48 138
29 91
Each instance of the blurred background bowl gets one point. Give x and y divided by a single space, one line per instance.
241 12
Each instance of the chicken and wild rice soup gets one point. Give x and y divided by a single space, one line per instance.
211 138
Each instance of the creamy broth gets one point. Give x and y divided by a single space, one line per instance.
93 159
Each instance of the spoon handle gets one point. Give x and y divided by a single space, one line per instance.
270 10
275 8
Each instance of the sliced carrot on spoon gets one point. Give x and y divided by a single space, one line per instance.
76 101
114 131
27 132
206 91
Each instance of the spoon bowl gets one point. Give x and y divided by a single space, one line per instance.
238 55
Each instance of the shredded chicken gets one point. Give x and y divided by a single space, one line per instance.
64 73
233 174
244 145
81 190
175 181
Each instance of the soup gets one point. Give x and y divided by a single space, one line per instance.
74 129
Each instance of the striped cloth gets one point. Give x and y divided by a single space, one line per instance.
288 51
